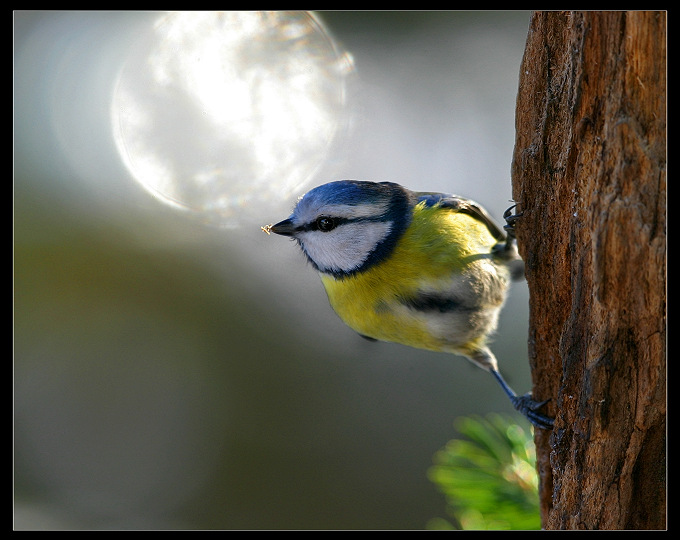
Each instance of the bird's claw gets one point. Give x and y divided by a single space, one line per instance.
529 408
510 220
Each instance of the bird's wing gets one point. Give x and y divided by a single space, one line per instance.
466 206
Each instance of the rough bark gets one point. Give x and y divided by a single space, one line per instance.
589 175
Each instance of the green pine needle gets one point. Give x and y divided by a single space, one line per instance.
489 478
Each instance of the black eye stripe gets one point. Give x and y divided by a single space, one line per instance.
336 221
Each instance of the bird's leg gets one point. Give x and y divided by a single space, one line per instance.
510 220
525 404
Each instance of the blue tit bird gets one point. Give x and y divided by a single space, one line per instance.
426 270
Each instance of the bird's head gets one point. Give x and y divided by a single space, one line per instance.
345 227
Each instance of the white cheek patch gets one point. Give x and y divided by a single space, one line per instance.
345 248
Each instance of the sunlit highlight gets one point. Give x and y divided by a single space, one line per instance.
215 111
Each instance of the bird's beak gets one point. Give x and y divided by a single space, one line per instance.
284 228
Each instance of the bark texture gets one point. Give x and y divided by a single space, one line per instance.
589 175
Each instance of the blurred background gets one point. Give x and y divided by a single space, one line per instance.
174 366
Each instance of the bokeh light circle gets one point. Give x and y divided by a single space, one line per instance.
216 111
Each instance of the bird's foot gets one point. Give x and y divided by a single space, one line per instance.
529 408
510 220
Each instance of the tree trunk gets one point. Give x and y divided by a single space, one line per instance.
589 176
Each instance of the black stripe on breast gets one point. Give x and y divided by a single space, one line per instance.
434 302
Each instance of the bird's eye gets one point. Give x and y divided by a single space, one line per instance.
325 223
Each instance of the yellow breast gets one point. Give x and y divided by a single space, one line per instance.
441 252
